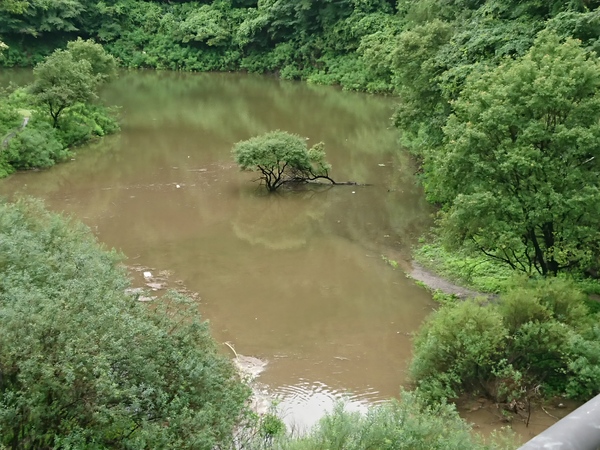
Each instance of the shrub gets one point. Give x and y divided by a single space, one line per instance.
395 425
457 348
85 365
35 147
539 339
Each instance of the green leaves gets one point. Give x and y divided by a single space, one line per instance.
405 424
34 17
61 81
537 335
281 158
102 64
84 364
457 349
517 165
206 25
71 76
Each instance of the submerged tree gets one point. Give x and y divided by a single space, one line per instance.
281 158
518 170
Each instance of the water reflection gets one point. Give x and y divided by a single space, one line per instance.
273 221
296 278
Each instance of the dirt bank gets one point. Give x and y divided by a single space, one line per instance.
437 283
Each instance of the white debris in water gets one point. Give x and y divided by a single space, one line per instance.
177 186
381 165
354 192
147 275
249 367
155 286
139 294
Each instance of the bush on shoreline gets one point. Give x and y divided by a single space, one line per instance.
85 365
42 122
405 424
537 340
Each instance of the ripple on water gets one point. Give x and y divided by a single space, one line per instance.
302 405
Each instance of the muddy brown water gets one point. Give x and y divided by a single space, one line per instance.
296 278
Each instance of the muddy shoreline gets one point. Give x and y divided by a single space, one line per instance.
486 416
436 283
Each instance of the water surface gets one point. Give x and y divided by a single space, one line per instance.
295 278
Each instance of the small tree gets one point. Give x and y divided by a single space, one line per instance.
282 158
71 76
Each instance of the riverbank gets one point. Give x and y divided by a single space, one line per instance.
527 420
41 122
486 417
465 274
435 282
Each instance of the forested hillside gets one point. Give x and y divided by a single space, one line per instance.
372 45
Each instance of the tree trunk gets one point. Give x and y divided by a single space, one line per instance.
549 241
539 254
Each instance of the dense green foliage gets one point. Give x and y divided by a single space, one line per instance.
422 49
71 76
439 57
85 365
498 101
64 87
537 340
281 158
518 169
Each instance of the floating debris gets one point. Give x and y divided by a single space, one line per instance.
155 286
249 367
140 294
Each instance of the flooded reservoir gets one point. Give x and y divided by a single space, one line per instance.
295 278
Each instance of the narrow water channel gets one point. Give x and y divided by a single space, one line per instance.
297 278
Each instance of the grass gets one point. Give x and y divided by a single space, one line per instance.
478 272
466 269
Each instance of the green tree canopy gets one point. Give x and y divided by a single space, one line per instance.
34 17
102 64
281 157
85 365
518 169
71 76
